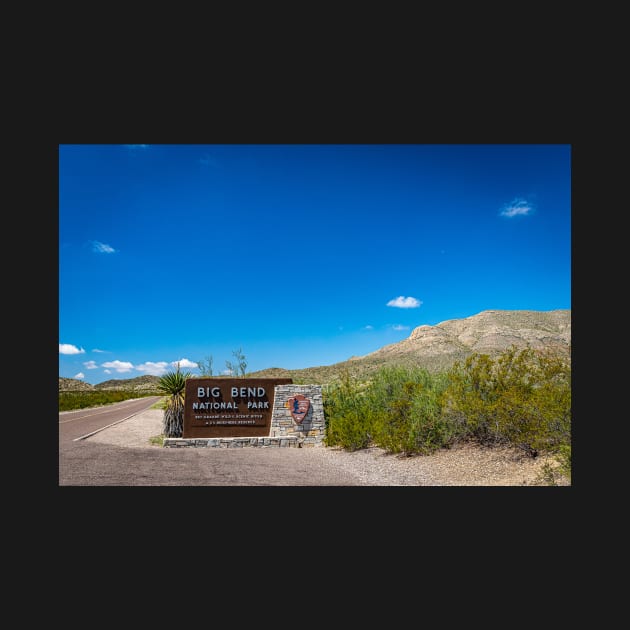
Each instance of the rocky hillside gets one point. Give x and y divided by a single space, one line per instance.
438 347
138 384
488 332
73 385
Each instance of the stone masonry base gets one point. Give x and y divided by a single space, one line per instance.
237 442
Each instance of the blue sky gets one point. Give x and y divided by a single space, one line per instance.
298 255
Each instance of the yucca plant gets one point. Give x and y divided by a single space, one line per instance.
173 384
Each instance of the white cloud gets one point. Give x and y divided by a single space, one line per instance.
68 348
90 365
136 146
227 372
516 207
119 366
184 363
150 367
102 248
368 327
400 327
404 302
107 371
79 375
97 350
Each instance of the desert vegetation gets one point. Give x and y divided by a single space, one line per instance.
519 398
173 386
69 400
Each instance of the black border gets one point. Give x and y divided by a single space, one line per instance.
398 117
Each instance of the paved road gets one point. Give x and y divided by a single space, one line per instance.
87 463
74 424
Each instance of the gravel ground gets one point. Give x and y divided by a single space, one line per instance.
462 465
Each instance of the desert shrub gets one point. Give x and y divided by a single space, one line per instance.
399 409
405 406
564 459
521 398
470 398
392 419
431 428
347 424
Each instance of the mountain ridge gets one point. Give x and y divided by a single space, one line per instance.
434 347
489 330
437 347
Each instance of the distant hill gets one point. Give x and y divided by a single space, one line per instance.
438 347
137 384
435 348
73 385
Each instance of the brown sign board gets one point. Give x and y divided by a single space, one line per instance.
229 407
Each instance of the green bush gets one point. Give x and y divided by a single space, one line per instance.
347 421
521 398
406 410
470 398
564 459
399 409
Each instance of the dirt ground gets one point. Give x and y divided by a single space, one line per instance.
462 465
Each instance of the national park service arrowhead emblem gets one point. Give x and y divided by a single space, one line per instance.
298 405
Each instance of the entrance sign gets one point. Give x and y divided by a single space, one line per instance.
230 407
